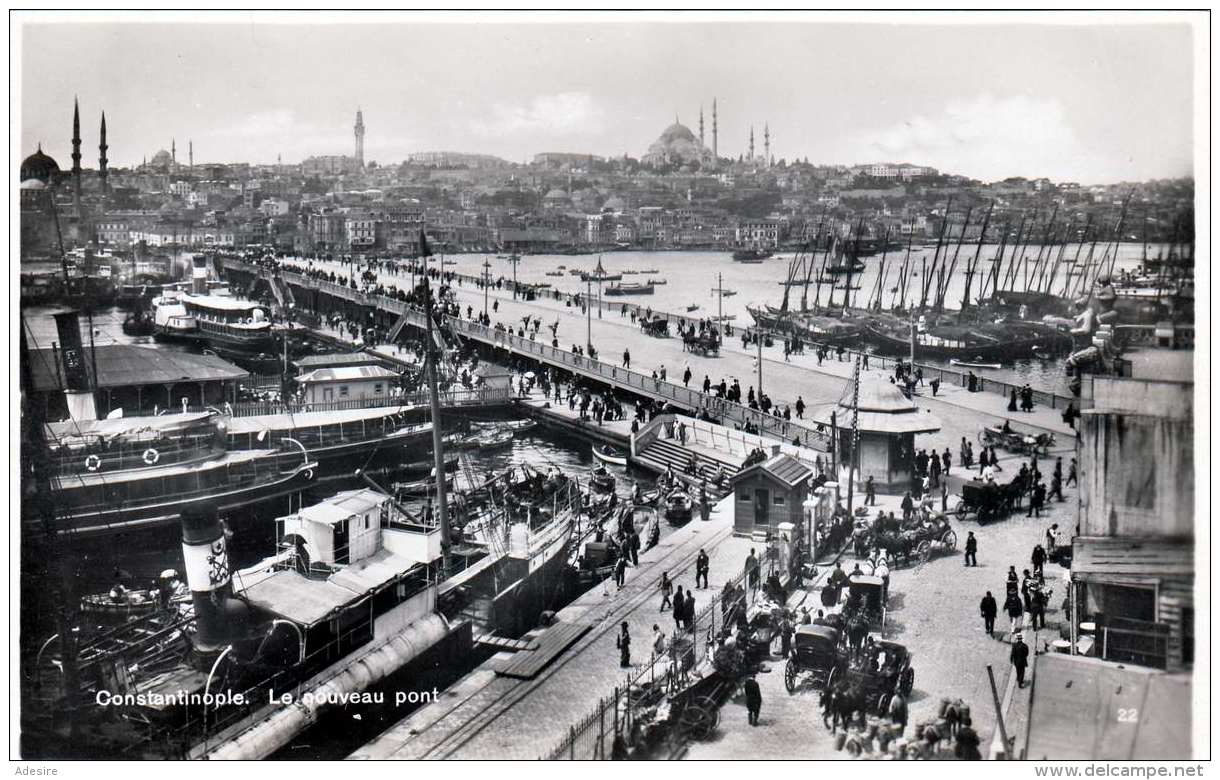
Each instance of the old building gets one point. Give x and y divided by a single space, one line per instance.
768 493
1132 571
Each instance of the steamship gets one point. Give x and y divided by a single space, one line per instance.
212 317
356 590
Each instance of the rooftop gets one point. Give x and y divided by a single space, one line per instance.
347 374
127 365
782 468
883 409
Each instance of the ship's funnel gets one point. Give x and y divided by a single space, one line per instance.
77 368
206 560
199 280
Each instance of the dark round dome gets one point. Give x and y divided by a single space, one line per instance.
39 166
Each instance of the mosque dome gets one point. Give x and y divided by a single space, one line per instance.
39 166
676 145
677 132
161 159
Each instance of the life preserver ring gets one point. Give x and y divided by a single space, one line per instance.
151 456
93 463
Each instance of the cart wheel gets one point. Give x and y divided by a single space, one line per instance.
950 539
790 676
830 678
924 551
853 748
700 718
883 704
982 437
907 684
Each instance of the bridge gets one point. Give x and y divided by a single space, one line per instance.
402 314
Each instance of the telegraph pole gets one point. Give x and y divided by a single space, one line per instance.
855 435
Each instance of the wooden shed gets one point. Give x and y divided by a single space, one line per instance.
768 493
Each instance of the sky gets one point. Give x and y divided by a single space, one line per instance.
1094 103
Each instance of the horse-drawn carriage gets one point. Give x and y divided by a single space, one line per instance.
988 500
1015 441
882 670
655 326
706 344
866 599
816 654
918 538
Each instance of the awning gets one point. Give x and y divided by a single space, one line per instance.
296 598
1088 709
1094 556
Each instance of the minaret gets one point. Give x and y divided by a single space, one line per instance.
715 149
101 159
766 145
751 156
700 126
360 138
76 156
190 155
173 155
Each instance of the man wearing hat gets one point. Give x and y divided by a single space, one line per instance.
1020 659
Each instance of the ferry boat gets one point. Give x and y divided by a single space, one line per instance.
222 322
752 256
353 592
113 476
630 288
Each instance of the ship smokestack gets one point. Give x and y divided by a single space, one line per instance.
205 557
77 368
199 279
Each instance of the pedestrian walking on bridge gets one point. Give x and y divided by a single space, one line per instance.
987 608
753 699
627 358
623 643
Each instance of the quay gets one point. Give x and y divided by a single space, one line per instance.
488 714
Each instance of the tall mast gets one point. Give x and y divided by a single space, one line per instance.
978 250
924 284
947 276
1010 273
435 404
1046 247
1084 235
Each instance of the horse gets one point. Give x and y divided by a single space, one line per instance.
839 703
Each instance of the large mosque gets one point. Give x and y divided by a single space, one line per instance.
679 145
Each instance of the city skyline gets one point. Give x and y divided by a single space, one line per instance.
926 94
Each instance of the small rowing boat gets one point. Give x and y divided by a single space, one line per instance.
972 364
608 454
692 307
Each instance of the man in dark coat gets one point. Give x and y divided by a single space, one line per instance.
624 647
679 608
988 609
690 610
908 504
620 569
702 564
1020 659
972 548
753 699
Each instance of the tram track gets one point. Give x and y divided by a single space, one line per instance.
477 723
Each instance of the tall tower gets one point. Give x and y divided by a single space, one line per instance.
190 154
76 155
173 154
767 145
715 149
700 126
102 146
360 138
751 156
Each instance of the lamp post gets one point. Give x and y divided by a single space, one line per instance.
589 316
486 284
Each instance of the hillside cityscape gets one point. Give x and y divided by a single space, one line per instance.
683 192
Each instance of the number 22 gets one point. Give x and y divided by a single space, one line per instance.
1128 715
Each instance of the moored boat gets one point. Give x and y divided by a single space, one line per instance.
630 288
608 454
